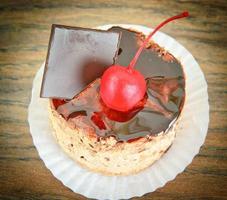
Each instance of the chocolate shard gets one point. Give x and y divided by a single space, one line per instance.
149 64
76 56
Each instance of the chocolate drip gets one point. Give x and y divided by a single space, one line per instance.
154 118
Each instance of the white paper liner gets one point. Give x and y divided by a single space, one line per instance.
190 136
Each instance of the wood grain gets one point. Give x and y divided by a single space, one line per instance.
24 35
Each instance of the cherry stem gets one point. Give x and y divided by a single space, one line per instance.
134 60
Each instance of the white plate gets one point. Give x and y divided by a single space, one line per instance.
190 136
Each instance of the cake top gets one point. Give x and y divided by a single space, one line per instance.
76 56
156 113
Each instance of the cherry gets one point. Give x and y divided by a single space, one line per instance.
123 87
97 120
58 102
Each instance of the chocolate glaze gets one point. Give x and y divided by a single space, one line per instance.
76 56
165 95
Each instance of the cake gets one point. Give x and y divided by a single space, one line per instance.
98 137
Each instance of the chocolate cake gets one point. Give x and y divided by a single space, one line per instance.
100 138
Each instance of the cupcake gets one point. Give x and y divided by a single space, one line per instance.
100 137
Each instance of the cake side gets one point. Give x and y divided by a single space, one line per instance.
107 155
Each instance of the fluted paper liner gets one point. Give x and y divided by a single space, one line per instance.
191 133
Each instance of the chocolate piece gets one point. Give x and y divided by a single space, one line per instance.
149 64
76 56
165 90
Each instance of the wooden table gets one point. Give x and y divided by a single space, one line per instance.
24 35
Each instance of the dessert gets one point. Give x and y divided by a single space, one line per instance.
111 136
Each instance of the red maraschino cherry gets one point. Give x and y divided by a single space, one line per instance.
123 87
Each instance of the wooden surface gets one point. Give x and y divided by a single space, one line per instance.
24 35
